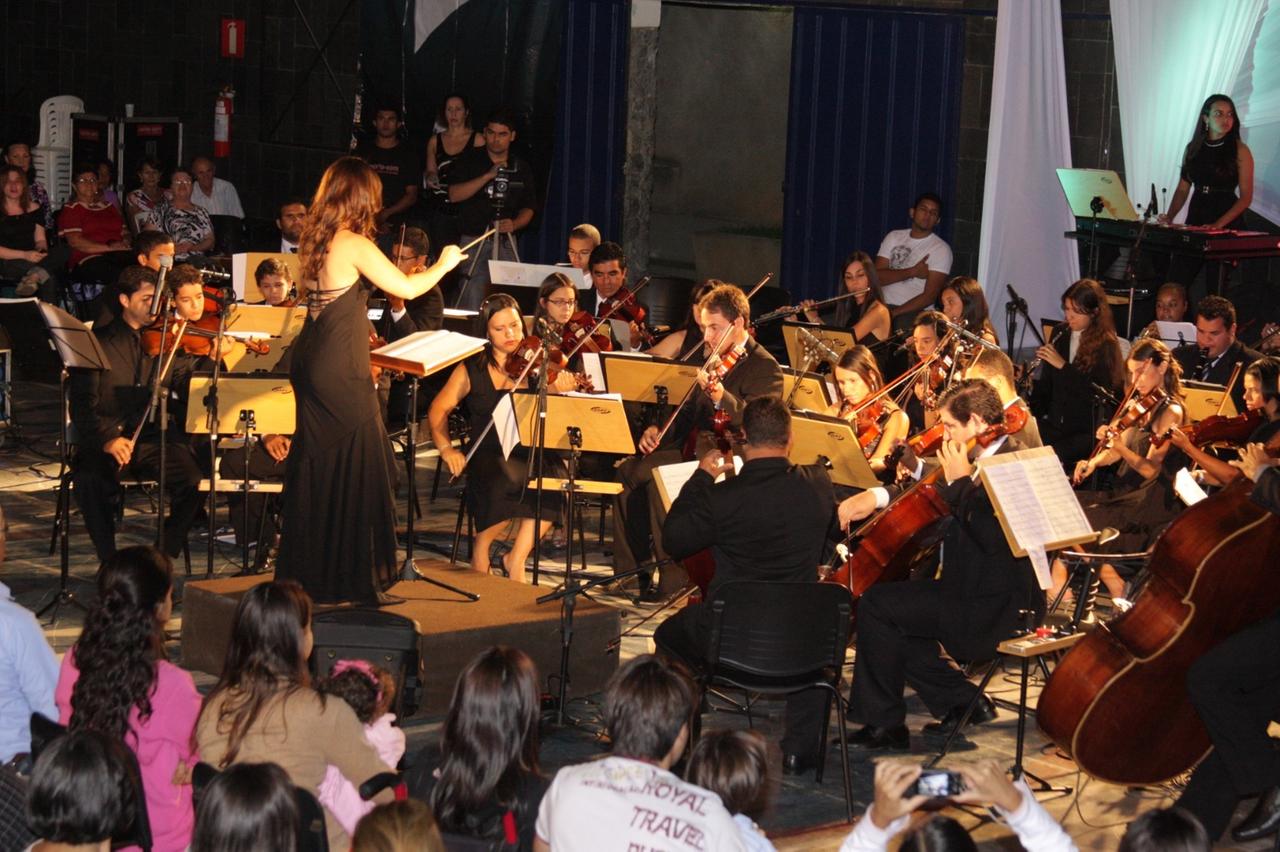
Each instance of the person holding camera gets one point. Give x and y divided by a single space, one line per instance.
902 787
491 188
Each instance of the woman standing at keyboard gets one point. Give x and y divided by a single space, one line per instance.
1216 162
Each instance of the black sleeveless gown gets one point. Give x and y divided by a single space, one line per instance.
338 538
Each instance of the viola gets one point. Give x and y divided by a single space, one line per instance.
625 306
576 336
905 532
1218 429
531 349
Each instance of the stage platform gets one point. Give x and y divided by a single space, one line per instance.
451 630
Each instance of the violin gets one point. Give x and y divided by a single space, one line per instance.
726 362
531 350
1130 415
196 340
576 336
866 421
1218 429
624 305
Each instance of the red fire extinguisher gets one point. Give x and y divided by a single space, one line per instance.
222 109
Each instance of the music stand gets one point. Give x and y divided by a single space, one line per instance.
832 442
1204 399
48 341
1095 194
654 380
805 390
835 339
417 356
576 423
276 326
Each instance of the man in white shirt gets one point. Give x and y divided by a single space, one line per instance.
631 799
215 195
913 263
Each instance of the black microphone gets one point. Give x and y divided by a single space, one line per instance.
1015 299
166 263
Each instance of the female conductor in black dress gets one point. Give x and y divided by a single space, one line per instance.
1216 161
339 538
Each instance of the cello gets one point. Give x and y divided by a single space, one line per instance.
1208 580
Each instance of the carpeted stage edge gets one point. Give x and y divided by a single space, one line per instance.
451 630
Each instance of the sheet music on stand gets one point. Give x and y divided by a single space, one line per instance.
670 478
425 352
1036 506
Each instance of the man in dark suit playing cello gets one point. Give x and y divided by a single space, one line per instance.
769 522
969 609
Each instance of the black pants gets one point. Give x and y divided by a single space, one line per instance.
898 628
1236 690
97 490
262 467
638 515
683 636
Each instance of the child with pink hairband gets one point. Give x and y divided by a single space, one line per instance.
370 691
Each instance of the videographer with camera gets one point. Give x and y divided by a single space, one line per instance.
902 787
491 188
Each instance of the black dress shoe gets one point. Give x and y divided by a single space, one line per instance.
795 764
871 738
984 711
1264 819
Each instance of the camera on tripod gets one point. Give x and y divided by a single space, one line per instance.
505 183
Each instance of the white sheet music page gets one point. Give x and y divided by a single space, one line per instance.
1036 500
505 425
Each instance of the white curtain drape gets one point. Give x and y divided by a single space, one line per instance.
1257 96
1024 213
1170 56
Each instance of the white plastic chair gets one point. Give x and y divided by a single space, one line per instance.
52 154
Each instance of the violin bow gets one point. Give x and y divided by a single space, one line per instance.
604 319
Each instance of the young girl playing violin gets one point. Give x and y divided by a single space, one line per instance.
879 424
1136 504
557 310
496 490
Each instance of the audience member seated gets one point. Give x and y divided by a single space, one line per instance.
583 240
632 795
263 708
107 184
275 282
734 766
116 681
406 826
985 783
485 782
80 795
24 246
1165 830
370 691
98 238
913 263
19 154
963 302
247 807
217 196
28 671
141 204
1217 351
184 220
1083 363
396 165
482 203
106 407
290 220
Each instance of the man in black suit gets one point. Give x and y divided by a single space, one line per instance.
767 523
402 318
105 409
638 511
1217 351
903 628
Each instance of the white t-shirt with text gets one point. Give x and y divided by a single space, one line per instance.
904 251
632 806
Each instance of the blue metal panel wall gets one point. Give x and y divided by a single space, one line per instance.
585 184
874 120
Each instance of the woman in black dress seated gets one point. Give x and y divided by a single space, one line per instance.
485 782
24 246
1083 361
339 521
497 488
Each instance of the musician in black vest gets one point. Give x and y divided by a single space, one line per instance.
907 629
1216 351
767 523
106 407
638 512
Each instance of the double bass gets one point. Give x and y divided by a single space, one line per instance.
1117 703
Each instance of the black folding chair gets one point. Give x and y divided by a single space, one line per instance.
780 638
